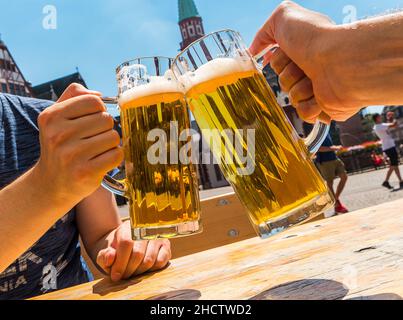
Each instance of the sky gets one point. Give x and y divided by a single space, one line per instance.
97 35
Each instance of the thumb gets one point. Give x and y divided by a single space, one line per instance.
106 258
75 90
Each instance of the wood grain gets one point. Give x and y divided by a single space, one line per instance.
355 256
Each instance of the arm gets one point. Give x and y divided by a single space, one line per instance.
394 124
21 208
74 134
330 149
109 243
333 71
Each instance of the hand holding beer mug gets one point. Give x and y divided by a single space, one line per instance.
162 191
259 152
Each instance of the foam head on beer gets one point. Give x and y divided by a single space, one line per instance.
150 86
217 68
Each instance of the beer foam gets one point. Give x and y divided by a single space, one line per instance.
156 85
216 68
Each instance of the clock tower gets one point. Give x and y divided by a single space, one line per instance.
190 23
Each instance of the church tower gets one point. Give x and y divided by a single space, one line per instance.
190 22
11 78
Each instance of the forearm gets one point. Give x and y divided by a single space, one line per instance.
367 61
326 149
102 243
28 209
97 220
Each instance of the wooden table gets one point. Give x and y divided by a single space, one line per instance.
355 256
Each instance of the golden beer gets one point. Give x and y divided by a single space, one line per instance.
285 188
164 194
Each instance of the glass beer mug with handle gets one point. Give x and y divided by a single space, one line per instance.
261 155
163 193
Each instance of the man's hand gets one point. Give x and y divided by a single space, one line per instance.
78 144
390 116
125 258
303 64
336 148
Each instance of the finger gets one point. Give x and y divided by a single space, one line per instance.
163 257
82 106
75 90
107 161
150 257
263 39
279 61
123 252
324 118
301 91
99 144
308 110
137 256
290 76
92 125
106 258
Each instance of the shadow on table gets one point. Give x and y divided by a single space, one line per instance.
106 286
316 289
188 294
307 289
382 296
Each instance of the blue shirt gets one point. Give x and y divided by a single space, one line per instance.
54 262
326 156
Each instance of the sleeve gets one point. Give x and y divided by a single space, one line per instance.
28 108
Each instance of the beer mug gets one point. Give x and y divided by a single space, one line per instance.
162 191
259 152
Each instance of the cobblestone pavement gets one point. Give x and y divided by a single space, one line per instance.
362 190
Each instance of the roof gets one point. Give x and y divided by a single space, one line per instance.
187 9
56 87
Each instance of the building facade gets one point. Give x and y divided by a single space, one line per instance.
12 80
52 90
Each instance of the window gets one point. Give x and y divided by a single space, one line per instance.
191 30
12 90
3 87
184 34
199 30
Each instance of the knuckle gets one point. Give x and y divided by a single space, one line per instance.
94 102
115 137
116 156
126 243
75 89
46 117
285 5
107 120
148 261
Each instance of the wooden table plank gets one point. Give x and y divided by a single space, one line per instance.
355 256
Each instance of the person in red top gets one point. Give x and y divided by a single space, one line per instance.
377 160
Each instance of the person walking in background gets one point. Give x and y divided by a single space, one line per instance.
331 167
389 146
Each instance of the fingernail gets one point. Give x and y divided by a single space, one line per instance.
116 276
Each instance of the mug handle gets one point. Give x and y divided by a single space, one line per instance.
111 184
320 130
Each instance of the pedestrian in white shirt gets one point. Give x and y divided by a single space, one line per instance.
382 130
